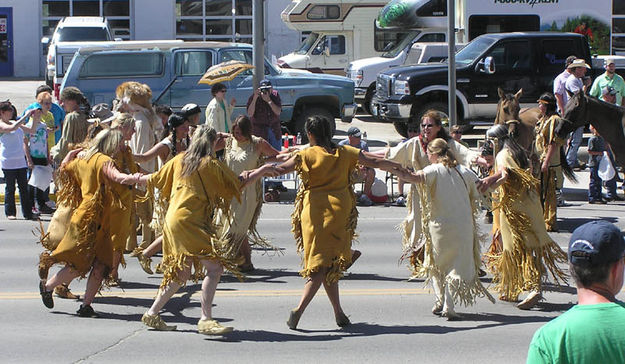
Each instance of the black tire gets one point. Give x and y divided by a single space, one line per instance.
438 106
401 128
314 110
366 105
49 82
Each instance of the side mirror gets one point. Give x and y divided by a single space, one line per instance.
487 65
45 40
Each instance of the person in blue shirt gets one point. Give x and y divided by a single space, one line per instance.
363 174
56 110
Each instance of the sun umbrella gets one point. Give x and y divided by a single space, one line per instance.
225 71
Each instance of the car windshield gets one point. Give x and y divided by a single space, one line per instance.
77 34
401 45
474 49
308 42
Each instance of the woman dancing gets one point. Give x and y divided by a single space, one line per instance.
522 251
449 207
86 187
196 185
413 154
243 151
325 216
175 140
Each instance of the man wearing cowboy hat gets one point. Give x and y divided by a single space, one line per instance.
609 78
576 83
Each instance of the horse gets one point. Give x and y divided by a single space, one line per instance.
606 118
521 122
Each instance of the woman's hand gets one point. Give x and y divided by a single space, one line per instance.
233 102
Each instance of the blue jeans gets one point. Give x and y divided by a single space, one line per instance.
594 187
274 140
576 141
12 176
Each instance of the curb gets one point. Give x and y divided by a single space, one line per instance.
17 198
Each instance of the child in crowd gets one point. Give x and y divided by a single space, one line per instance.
596 147
38 155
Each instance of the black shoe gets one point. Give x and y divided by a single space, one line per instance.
597 202
46 296
45 209
614 198
87 311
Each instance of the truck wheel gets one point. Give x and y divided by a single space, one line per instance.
438 106
49 82
366 105
312 111
401 128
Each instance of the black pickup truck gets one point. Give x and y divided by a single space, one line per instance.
527 60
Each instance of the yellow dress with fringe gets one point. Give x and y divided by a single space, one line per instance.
189 230
525 252
411 154
88 237
545 135
449 201
239 157
325 215
123 211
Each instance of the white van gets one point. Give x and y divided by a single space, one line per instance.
342 31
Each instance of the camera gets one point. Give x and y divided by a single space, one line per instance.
265 89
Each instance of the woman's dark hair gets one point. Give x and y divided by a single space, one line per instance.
549 101
244 124
5 106
436 117
43 88
320 128
518 153
217 87
162 109
174 121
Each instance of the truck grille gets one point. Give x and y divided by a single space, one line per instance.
383 86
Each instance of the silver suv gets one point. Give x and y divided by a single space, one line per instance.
74 29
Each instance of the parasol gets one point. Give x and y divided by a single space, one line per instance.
225 71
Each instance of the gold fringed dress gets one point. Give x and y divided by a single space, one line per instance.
325 215
189 230
87 191
239 157
450 207
522 252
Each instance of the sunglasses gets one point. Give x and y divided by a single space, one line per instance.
427 125
223 90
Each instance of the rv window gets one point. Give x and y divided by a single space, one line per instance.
482 24
618 7
308 42
432 37
193 63
334 43
134 65
385 40
322 12
554 54
433 8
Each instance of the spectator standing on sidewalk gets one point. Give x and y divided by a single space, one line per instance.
596 147
57 113
576 83
612 79
13 151
75 124
591 331
264 108
609 95
362 173
559 90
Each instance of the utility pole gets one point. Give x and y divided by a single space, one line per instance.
258 40
451 59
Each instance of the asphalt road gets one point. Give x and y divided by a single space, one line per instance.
390 315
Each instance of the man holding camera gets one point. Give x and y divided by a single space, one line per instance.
263 108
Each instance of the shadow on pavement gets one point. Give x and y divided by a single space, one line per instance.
571 223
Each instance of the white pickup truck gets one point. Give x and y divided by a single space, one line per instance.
365 71
70 35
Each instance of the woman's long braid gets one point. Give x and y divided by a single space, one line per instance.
175 141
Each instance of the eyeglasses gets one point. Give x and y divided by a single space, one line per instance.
427 125
223 90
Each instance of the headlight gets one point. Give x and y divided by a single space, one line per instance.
401 88
356 76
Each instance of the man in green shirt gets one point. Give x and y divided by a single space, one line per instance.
609 78
591 331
